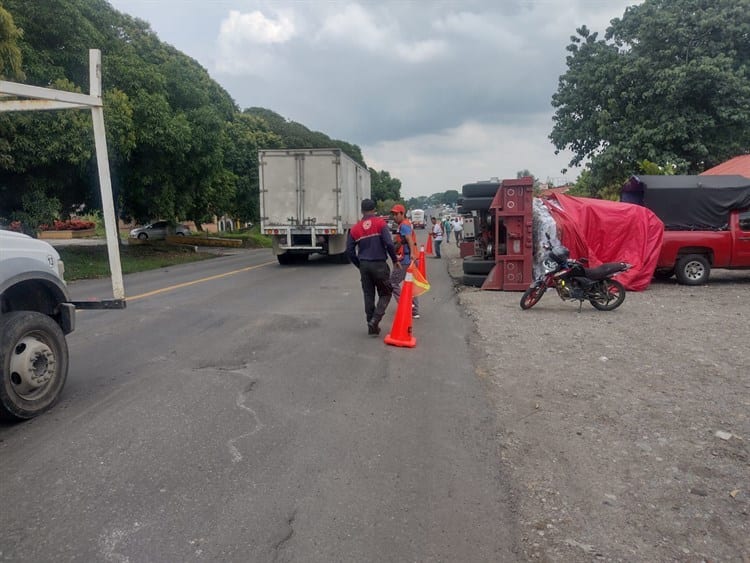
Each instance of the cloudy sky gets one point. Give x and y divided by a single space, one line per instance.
438 93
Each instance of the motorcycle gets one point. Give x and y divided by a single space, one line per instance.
573 281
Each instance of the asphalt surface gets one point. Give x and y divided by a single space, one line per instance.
237 410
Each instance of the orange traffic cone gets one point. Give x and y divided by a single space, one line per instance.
422 262
429 243
400 334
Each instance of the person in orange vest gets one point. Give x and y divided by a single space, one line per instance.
406 251
368 245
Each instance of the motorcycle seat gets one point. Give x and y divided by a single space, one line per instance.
605 270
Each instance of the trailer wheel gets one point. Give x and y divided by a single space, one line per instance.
476 203
33 364
342 258
474 280
481 189
286 259
692 269
477 265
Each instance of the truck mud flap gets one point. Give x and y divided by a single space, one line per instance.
100 304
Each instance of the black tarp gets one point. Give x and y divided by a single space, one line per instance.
689 202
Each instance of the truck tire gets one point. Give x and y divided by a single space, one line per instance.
342 258
692 269
480 189
288 258
477 265
33 364
476 203
474 280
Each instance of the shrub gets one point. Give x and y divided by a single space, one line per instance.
69 225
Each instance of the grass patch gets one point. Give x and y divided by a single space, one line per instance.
250 238
87 262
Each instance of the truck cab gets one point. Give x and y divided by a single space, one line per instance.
35 315
706 222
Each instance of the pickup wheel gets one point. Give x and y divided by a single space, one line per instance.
33 364
692 269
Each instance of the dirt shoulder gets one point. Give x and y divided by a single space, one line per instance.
624 434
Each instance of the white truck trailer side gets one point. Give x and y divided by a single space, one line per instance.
309 199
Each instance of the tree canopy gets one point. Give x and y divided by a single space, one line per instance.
668 83
179 146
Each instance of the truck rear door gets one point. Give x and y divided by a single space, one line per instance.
281 185
300 189
320 182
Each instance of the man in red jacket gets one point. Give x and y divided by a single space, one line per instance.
369 244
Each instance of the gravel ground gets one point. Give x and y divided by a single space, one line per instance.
624 434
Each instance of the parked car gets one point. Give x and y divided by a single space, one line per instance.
159 231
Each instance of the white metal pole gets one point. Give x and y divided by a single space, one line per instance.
105 181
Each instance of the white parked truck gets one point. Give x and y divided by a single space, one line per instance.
309 199
36 311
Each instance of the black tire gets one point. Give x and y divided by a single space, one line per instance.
142 236
474 280
477 265
532 296
33 364
663 275
285 259
480 189
610 294
476 203
692 269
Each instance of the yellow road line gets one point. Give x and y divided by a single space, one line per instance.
194 282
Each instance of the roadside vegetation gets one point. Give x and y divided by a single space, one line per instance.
90 262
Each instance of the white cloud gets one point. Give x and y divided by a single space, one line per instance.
377 34
255 27
473 151
244 40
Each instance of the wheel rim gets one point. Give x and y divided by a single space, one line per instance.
694 270
608 296
32 366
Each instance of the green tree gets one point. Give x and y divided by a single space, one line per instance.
10 54
383 186
668 83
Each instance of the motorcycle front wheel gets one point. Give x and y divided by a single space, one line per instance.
532 296
607 295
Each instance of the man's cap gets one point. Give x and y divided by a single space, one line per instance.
398 208
368 205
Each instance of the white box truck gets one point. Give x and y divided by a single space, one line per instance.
309 199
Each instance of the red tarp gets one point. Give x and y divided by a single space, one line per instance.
610 231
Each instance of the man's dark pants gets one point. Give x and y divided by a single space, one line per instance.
375 275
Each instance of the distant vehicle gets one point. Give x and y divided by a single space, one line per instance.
309 200
158 231
417 218
706 222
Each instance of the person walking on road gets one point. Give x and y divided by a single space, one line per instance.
406 251
458 231
368 245
446 224
437 235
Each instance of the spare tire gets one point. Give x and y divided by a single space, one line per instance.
480 189
477 265
476 203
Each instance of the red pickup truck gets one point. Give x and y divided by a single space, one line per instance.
706 222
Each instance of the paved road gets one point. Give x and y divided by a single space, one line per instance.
243 414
